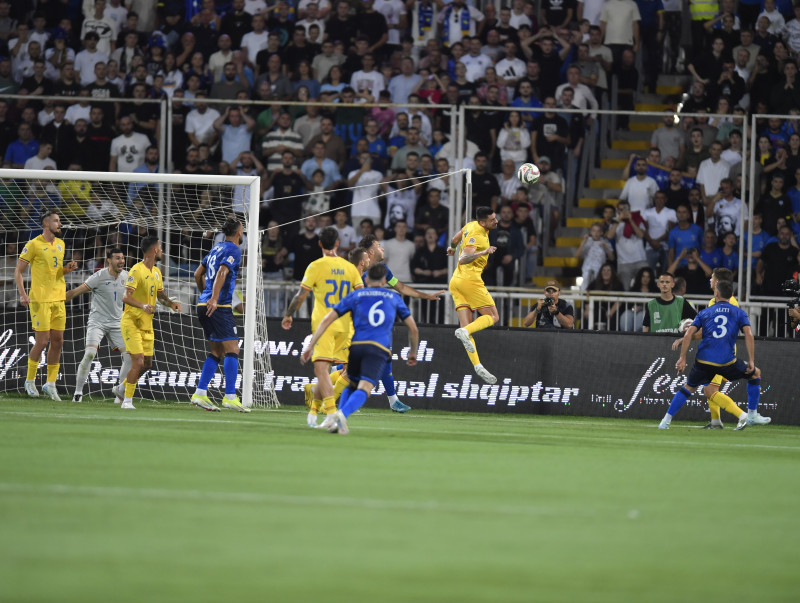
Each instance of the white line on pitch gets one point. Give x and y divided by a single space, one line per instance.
278 499
531 435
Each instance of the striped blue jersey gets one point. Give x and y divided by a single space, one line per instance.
374 310
227 254
721 324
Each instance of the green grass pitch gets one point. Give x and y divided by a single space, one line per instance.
169 503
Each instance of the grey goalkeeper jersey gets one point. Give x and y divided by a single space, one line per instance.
107 293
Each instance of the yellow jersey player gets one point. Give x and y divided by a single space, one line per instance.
45 256
331 278
144 286
466 285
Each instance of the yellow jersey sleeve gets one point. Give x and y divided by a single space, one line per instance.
47 269
144 287
473 235
732 301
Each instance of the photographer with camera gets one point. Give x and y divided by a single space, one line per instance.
551 312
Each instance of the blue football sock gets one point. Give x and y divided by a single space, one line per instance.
209 369
678 401
355 400
387 379
753 393
231 368
345 397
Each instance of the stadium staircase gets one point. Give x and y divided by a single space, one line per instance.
605 184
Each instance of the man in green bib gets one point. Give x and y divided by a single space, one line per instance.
665 313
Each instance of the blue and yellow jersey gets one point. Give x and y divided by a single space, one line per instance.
721 324
374 310
221 254
47 269
473 235
331 279
145 285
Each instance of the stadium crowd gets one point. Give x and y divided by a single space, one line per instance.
423 56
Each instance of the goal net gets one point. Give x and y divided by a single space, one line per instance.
106 210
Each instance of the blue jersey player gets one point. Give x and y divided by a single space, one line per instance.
716 354
374 310
216 279
375 253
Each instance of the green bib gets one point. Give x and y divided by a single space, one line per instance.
665 318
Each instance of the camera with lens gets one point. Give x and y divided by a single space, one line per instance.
792 287
549 301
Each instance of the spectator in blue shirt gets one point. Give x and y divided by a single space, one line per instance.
685 235
22 149
710 253
319 162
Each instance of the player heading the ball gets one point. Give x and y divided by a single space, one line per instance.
216 279
466 285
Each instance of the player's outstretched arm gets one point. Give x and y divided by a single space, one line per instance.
77 291
413 340
296 302
326 322
20 269
167 302
404 289
219 282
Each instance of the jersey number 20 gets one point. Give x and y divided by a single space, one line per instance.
342 288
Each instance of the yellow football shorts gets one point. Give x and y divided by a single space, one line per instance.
718 380
470 294
333 347
137 341
46 316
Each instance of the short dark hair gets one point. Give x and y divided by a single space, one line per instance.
725 289
328 237
669 274
47 213
723 274
111 251
356 255
148 243
367 241
376 273
483 212
231 226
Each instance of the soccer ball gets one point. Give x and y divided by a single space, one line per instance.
685 324
528 173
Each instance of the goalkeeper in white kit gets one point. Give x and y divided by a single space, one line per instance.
107 287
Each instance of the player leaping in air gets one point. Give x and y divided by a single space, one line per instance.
145 285
45 255
107 287
216 279
374 310
466 285
716 355
331 278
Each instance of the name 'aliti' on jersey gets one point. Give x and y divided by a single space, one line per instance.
721 324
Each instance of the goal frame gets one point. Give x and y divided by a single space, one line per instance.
251 229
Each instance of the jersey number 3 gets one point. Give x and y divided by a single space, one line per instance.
342 288
721 329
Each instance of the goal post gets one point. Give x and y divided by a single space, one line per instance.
106 209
